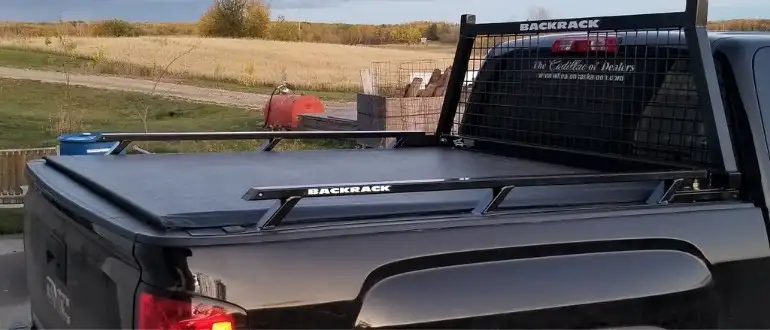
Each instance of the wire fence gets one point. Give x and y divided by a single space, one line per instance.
394 78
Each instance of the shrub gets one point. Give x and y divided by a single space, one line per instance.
235 19
284 30
115 28
450 35
225 18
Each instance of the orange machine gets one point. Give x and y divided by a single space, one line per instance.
283 110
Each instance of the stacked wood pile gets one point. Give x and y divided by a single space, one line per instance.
414 106
435 87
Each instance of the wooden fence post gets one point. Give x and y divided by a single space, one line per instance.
13 180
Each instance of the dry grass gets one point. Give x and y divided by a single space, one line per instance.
312 66
431 47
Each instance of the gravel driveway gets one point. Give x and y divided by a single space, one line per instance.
186 92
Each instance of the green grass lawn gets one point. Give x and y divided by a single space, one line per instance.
11 221
38 60
33 114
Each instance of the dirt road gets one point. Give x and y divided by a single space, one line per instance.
186 92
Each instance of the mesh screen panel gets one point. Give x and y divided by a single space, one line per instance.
619 93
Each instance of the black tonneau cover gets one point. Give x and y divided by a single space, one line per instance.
205 190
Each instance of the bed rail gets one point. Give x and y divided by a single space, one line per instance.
671 184
273 138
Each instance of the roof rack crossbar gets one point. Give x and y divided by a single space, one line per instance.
289 196
274 137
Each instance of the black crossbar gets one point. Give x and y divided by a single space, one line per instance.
273 137
289 196
626 22
694 15
187 136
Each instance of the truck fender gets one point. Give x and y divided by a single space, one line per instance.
511 286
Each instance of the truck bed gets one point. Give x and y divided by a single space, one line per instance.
205 190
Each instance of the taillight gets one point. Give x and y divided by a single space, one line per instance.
585 45
196 313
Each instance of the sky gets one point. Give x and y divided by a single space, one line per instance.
366 11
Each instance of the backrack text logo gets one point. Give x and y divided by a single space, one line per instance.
561 25
348 190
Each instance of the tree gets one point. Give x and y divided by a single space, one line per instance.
284 30
257 19
225 18
115 28
432 33
354 35
539 13
450 35
235 19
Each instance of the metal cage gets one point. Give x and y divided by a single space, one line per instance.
636 90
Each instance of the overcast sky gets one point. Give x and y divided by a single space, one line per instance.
365 11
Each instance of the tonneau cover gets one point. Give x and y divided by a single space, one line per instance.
205 190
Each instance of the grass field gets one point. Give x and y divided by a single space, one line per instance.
11 221
41 60
445 49
310 66
34 114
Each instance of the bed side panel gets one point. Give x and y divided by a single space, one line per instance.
498 294
316 278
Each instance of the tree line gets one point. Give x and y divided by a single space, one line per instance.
252 19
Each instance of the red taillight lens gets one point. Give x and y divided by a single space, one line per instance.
196 314
585 45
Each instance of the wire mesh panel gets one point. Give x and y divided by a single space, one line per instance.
626 87
625 93
391 78
405 95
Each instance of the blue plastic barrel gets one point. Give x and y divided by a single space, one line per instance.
83 144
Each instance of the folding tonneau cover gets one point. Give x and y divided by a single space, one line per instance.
528 132
206 190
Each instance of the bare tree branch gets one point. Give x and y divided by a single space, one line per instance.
143 116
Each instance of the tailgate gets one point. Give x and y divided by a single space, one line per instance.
79 273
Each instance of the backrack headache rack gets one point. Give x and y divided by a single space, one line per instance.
642 94
686 168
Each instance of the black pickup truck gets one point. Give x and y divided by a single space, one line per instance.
600 172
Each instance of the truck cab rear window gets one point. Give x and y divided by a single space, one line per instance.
632 97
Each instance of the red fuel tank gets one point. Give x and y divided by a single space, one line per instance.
284 110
